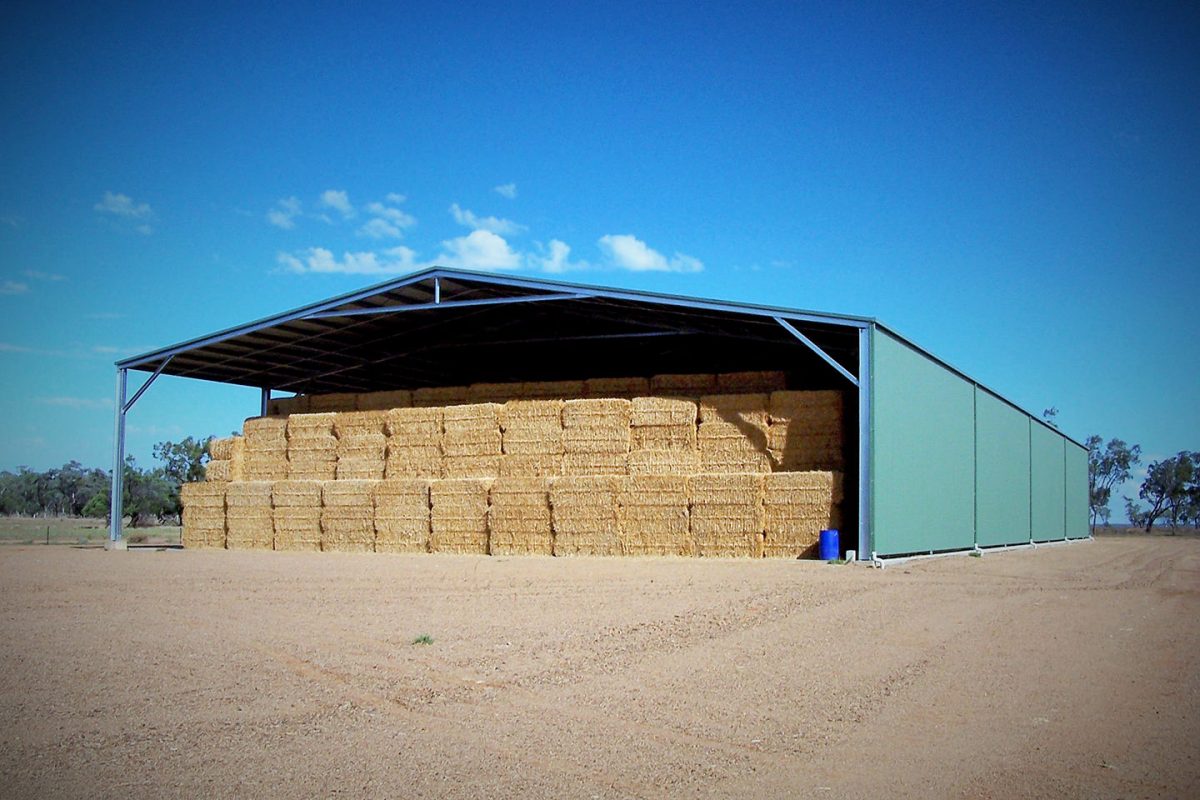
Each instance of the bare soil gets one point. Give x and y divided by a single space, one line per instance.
1069 671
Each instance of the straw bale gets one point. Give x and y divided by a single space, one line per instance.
248 516
385 401
457 442
683 384
459 516
584 515
533 439
339 401
312 457
663 437
596 439
217 471
653 514
283 406
802 454
523 465
519 412
561 390
803 488
784 437
740 409
726 490
202 495
413 462
221 449
492 392
351 468
439 396
797 506
265 434
316 445
519 517
359 423
306 426
731 382
579 464
663 411
471 466
415 425
472 415
264 466
616 387
359 444
342 494
237 459
727 514
402 516
347 530
297 527
664 462
203 527
785 406
296 494
596 412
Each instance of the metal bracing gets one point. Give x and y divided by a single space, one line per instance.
146 385
811 345
490 301
865 428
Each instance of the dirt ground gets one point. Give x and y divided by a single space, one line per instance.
1071 671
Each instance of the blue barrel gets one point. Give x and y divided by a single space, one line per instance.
831 549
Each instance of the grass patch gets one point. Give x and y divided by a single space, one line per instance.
424 638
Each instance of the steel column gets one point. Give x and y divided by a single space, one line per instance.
265 406
865 381
437 289
117 496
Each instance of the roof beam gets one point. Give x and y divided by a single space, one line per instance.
490 301
811 345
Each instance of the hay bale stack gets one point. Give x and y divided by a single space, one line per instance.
653 514
748 382
248 518
471 440
264 457
217 471
220 465
296 514
384 401
433 396
402 516
283 406
348 516
221 449
663 436
727 514
797 506
627 388
532 438
414 445
806 431
362 444
583 512
551 390
688 385
311 447
732 435
492 392
203 514
519 517
459 515
338 401
596 437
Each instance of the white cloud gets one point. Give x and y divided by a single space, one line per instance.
285 212
318 259
77 402
8 347
104 349
631 253
379 228
13 287
12 221
468 219
123 206
339 201
144 230
479 249
395 198
555 257
386 221
508 190
44 276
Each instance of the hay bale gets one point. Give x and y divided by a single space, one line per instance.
203 515
726 514
693 385
653 514
352 424
807 431
348 516
530 465
616 387
459 515
579 464
312 449
265 434
248 518
237 459
519 517
663 437
735 409
402 516
284 406
583 513
471 466
217 471
740 382
338 401
385 401
221 449
296 514
664 462
471 430
656 411
439 396
307 426
413 462
264 466
531 427
418 426
524 411
797 507
596 436
551 390
786 406
598 412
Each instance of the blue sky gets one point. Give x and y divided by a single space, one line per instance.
1016 187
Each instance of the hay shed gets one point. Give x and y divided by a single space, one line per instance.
933 460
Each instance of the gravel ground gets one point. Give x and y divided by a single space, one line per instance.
1070 672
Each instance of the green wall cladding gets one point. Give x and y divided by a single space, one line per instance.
1077 492
1048 479
1001 472
923 482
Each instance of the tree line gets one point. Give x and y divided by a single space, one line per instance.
150 496
1170 490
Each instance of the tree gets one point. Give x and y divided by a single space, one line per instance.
1108 466
183 462
1172 488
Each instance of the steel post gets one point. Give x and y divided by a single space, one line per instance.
864 441
116 504
265 404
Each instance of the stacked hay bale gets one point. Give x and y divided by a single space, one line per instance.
348 516
338 401
663 436
750 382
225 463
384 401
519 517
296 514
550 390
312 449
627 388
362 444
414 444
203 514
459 515
727 514
492 392
652 511
685 385
402 516
283 406
531 438
248 521
732 436
583 512
797 506
596 437
471 440
431 396
806 431
264 455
